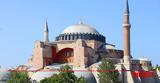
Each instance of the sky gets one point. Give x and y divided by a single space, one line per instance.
22 23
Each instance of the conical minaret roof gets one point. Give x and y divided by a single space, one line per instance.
127 7
46 33
46 27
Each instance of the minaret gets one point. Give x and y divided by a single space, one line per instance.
126 27
46 32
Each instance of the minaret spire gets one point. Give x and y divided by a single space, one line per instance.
127 7
46 33
126 26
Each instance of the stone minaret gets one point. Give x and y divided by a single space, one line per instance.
126 27
46 33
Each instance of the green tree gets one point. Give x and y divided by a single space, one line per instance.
151 68
66 75
157 67
19 77
81 80
107 72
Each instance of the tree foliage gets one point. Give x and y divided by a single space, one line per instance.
19 77
157 67
66 75
151 68
107 72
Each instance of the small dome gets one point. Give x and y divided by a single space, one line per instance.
84 72
143 59
110 47
47 72
40 75
80 28
4 75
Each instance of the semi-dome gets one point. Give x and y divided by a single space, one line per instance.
80 31
80 28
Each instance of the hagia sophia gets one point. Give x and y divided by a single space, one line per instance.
82 47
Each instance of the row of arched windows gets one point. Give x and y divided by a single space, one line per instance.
81 36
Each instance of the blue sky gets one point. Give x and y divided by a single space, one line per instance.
22 23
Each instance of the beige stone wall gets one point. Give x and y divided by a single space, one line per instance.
72 44
92 56
83 51
79 54
37 58
93 44
145 63
65 44
114 53
47 52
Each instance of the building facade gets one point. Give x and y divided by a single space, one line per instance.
82 47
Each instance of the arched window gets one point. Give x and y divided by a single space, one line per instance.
62 37
34 81
76 36
69 37
65 37
73 37
64 56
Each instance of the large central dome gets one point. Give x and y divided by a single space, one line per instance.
80 28
80 31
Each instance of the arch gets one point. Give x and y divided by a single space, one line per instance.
76 36
65 37
64 56
62 37
73 37
85 36
69 37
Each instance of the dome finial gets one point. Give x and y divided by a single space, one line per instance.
81 21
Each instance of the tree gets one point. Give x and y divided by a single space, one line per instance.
19 77
81 80
107 72
157 67
66 75
151 68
